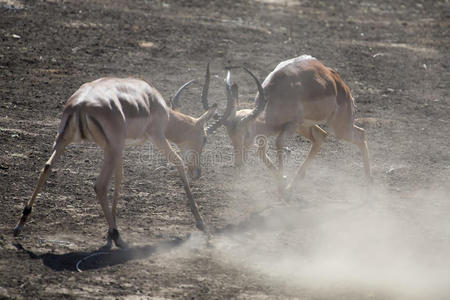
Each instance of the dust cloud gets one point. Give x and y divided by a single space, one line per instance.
349 243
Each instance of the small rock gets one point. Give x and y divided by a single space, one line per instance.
146 44
3 293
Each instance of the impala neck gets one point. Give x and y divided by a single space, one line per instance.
179 126
260 127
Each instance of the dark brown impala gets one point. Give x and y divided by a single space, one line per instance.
112 111
298 94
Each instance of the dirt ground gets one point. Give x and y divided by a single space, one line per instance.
339 239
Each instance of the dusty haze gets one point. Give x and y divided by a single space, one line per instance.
338 239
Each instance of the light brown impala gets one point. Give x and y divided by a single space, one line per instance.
298 94
111 111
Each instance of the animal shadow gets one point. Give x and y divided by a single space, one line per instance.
98 259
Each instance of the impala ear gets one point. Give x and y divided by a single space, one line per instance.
201 121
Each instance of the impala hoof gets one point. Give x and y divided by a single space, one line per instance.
120 243
17 230
200 226
23 220
113 235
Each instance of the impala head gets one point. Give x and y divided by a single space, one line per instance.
240 124
191 137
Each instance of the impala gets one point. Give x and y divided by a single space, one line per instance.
113 111
298 94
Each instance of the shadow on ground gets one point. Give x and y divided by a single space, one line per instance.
98 259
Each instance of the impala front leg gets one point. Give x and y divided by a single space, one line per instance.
288 130
118 176
162 143
112 159
261 142
317 136
360 140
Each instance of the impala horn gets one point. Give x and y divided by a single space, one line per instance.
260 102
174 103
230 105
206 89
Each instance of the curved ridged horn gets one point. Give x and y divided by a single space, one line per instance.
174 103
206 89
261 102
229 108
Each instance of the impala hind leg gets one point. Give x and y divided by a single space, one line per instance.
112 160
317 136
59 147
163 145
118 176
